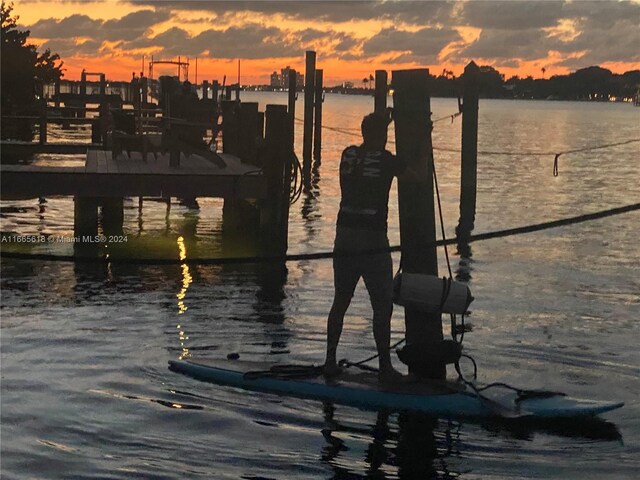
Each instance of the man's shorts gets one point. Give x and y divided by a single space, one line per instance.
375 269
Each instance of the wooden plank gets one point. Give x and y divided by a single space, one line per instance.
102 162
11 147
145 167
189 164
124 164
112 165
92 161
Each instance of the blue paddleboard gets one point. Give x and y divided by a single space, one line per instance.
362 390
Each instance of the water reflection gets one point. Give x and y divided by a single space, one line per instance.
589 428
424 447
410 452
181 295
464 229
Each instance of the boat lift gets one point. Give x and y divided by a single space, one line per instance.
183 67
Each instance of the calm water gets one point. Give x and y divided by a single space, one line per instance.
85 388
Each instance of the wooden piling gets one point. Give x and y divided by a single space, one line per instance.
260 132
83 95
309 94
104 121
469 161
214 90
85 216
317 131
95 132
56 92
274 214
83 84
381 92
112 215
415 196
43 121
103 85
205 89
293 94
247 132
230 127
144 84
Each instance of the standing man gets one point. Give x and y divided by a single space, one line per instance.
366 173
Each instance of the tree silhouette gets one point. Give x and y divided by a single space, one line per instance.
365 81
23 71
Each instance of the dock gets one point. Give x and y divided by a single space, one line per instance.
132 176
26 149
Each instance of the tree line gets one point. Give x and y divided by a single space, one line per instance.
591 83
24 72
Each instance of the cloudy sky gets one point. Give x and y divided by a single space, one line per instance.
352 38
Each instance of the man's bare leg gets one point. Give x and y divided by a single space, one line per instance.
334 330
382 335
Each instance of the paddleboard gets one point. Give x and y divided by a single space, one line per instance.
362 390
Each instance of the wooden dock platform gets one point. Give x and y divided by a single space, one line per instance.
25 149
132 176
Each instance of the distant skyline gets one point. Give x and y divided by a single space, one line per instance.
352 38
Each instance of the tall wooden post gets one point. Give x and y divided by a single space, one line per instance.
469 162
144 83
205 89
277 169
56 92
381 92
415 196
309 94
317 131
103 85
230 127
247 132
43 121
83 94
104 121
134 92
83 84
293 94
85 216
214 90
112 215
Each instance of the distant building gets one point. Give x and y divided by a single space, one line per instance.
284 76
347 84
281 80
276 80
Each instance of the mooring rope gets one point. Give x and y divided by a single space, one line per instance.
355 133
323 255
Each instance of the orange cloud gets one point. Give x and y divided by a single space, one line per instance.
352 41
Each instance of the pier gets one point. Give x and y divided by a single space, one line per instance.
169 149
124 175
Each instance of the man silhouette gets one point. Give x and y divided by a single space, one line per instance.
366 174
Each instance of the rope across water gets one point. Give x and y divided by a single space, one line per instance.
356 133
323 255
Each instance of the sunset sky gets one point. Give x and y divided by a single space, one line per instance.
352 38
